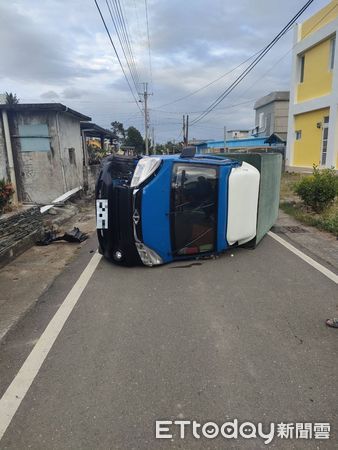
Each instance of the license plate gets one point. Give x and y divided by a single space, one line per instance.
102 214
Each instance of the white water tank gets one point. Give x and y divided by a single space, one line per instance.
242 204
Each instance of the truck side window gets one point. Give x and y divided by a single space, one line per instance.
193 209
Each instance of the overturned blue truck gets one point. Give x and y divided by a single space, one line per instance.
158 209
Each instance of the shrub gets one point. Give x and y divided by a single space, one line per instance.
6 193
96 154
319 190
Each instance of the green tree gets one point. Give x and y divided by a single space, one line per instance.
172 148
160 149
11 99
119 132
134 139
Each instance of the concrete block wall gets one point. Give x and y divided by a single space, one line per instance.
71 141
45 175
90 175
18 231
40 177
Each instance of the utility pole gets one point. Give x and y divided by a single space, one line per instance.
225 138
153 139
146 116
187 132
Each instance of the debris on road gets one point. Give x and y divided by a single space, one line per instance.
75 235
333 323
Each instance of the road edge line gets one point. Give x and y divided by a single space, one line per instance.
328 273
17 390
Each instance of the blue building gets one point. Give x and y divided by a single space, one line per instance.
233 144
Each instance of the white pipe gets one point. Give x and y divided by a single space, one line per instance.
60 199
10 159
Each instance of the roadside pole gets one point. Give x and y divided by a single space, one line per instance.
225 139
187 132
146 117
153 139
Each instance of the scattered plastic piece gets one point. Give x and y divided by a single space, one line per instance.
333 323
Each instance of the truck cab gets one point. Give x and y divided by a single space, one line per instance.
167 208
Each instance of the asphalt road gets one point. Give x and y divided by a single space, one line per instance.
239 337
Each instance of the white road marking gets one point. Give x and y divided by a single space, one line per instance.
16 391
332 276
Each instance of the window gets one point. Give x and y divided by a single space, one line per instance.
193 209
71 153
261 120
34 138
302 67
332 52
324 140
298 135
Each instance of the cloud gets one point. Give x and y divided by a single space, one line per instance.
73 92
49 95
60 50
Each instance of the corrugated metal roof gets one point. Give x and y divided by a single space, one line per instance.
236 143
22 107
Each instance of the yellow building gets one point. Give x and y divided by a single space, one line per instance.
313 118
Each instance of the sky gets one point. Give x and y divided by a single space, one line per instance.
59 51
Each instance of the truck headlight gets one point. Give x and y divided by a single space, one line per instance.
144 169
148 256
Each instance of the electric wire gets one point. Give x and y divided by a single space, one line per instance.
131 71
122 31
198 112
211 82
116 53
149 47
275 64
125 28
240 78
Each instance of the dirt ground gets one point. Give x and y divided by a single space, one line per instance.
29 275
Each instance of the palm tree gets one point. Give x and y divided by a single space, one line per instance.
11 99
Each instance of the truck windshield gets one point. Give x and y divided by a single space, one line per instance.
193 209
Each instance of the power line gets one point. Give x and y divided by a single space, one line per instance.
253 64
131 70
127 33
149 48
198 112
117 55
122 32
275 64
211 82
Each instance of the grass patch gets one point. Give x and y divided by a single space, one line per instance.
291 204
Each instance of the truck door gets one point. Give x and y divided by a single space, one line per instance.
193 206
